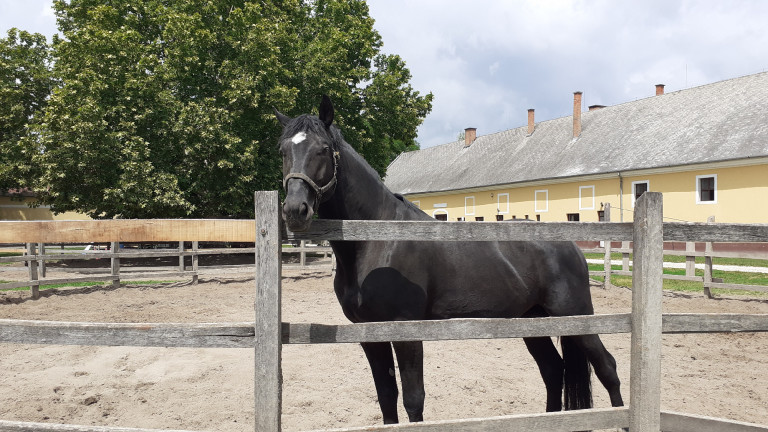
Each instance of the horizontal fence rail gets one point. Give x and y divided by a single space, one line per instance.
237 230
241 334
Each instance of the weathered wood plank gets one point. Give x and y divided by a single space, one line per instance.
760 288
268 345
721 232
455 329
598 418
240 335
679 422
714 323
15 426
645 349
463 231
234 335
127 230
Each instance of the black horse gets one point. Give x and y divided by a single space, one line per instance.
407 280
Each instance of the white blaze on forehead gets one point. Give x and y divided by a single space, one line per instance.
299 137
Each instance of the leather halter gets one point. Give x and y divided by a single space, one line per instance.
320 192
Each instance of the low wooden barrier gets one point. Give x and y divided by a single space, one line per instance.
266 336
36 257
690 254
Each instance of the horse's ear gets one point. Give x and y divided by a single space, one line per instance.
326 111
283 119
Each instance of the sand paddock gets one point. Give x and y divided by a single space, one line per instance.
325 386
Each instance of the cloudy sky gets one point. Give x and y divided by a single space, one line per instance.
488 61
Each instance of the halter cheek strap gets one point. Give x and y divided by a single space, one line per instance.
320 192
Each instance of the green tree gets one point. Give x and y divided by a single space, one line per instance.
25 84
165 107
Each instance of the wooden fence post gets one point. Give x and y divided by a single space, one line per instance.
625 256
268 379
115 264
195 261
32 268
647 279
607 256
303 254
181 256
708 264
690 260
41 261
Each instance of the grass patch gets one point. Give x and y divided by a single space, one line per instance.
84 284
749 262
689 286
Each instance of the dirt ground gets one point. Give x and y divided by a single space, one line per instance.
327 386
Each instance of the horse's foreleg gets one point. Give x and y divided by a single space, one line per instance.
410 359
551 367
382 363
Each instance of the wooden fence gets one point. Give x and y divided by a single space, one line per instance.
690 254
36 257
266 336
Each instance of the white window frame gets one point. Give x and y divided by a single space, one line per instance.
698 189
467 206
499 201
647 188
441 211
536 207
582 188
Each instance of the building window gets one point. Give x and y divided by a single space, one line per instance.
501 217
479 218
601 215
541 200
443 216
573 217
502 204
706 189
639 188
538 218
460 219
586 197
469 206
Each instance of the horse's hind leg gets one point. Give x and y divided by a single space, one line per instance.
382 363
551 367
410 360
603 363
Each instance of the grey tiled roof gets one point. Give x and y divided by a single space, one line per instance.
722 121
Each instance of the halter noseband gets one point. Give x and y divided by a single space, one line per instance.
320 192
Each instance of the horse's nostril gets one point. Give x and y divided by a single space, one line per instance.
304 209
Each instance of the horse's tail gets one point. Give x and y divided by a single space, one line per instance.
578 373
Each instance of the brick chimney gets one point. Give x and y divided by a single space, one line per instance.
576 114
469 136
659 89
531 124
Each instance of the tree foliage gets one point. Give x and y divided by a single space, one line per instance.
25 84
165 107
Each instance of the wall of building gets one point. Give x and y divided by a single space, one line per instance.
15 209
741 197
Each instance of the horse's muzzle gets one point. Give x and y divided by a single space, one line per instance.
298 209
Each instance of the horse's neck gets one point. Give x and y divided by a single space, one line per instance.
359 194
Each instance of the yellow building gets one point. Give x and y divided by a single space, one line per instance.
704 148
15 206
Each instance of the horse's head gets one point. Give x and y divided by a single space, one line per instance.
309 164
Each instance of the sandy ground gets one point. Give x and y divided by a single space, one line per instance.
325 386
